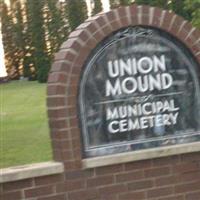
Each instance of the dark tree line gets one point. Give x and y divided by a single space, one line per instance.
189 9
33 30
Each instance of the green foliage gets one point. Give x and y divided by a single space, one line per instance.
117 3
36 26
56 28
77 12
43 61
193 7
29 63
97 7
114 4
144 2
19 37
125 2
157 3
189 9
178 7
8 29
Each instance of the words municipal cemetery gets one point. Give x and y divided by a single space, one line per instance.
139 92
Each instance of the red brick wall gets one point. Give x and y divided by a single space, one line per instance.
169 178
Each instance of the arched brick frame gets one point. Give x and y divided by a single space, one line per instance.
64 77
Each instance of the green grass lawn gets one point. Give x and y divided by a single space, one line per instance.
24 132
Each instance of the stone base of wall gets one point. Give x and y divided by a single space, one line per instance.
169 178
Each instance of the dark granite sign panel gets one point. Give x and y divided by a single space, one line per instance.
139 90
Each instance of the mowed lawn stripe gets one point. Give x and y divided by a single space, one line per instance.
24 135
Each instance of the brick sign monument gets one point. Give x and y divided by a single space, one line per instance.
125 87
124 108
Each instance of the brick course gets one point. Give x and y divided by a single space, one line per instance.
154 179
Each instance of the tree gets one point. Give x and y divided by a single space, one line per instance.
178 7
114 4
36 26
156 3
56 28
189 9
8 40
19 36
145 2
97 7
125 2
193 6
161 3
28 62
77 12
